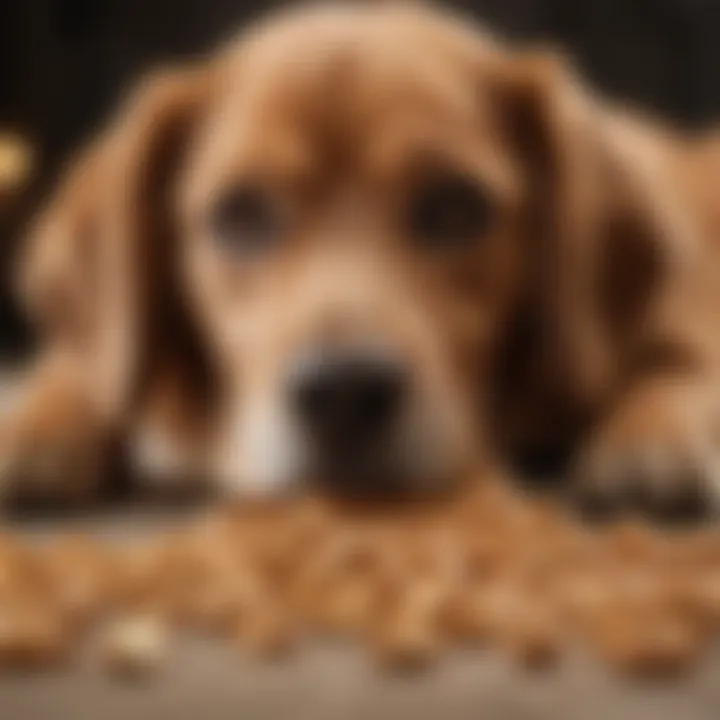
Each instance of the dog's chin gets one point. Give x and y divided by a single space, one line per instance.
266 455
354 478
363 476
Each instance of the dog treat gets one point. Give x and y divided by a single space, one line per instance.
79 575
32 637
698 595
534 640
266 631
135 647
648 645
408 581
407 634
463 616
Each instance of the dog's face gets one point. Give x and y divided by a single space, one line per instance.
357 205
351 237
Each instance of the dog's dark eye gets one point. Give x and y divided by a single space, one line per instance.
450 212
247 220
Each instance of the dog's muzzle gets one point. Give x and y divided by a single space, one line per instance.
348 403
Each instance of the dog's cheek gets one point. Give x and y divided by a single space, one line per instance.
439 440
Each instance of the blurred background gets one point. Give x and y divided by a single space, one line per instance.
63 64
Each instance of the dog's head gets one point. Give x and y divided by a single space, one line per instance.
347 210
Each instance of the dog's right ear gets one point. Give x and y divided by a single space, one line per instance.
609 234
98 271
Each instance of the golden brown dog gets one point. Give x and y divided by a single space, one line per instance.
370 243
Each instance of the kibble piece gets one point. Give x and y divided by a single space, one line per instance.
308 525
483 553
534 639
407 636
348 607
697 595
522 621
81 575
648 646
463 617
633 541
333 588
22 572
266 631
501 602
135 647
407 643
693 549
32 637
226 591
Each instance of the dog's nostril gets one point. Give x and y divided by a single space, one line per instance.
346 398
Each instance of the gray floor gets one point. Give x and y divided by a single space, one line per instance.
216 682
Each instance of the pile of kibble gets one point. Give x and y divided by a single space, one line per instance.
408 582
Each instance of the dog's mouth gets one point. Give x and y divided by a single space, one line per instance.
401 465
363 475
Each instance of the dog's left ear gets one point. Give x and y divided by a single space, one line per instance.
99 269
609 233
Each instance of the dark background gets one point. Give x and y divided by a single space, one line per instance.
64 62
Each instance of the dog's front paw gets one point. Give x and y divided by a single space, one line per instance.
657 453
50 458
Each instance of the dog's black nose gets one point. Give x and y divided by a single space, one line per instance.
348 400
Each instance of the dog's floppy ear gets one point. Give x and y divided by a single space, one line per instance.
98 270
608 232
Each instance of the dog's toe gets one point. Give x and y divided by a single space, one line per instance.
57 471
663 482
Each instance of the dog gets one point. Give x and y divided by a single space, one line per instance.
373 247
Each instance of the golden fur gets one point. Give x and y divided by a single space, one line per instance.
583 321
